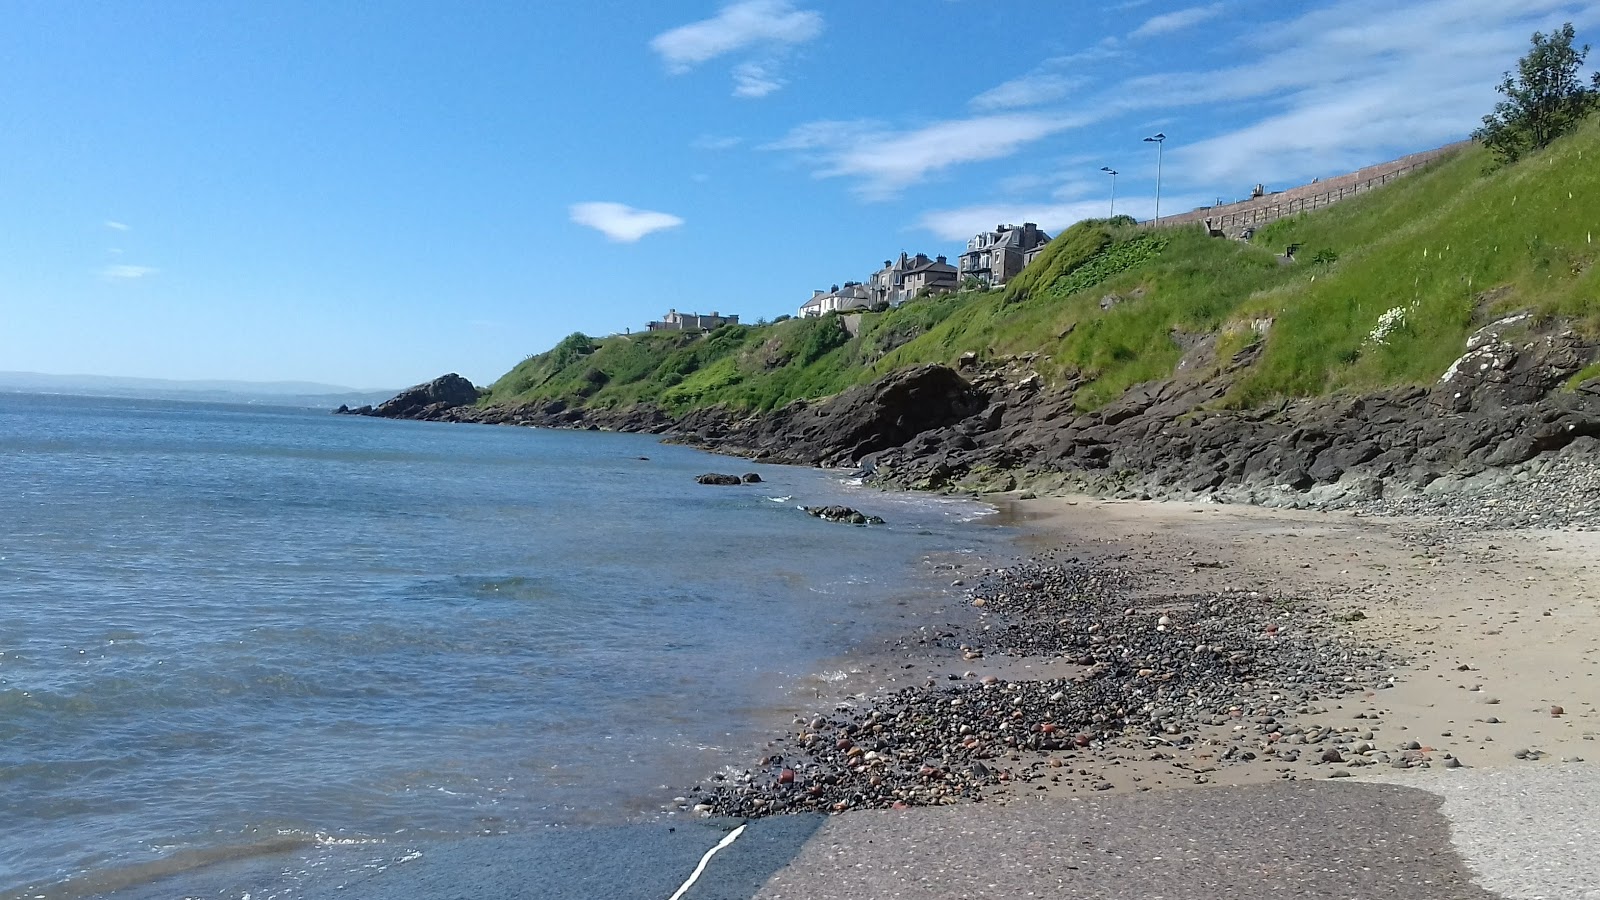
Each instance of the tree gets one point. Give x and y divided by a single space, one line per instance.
1543 100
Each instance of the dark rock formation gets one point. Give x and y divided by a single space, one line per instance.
841 429
1498 406
427 401
928 427
843 514
715 478
752 478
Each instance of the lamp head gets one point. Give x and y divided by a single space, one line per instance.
1108 170
1157 138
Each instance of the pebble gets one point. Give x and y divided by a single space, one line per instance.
1140 690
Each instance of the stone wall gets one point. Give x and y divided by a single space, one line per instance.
1233 219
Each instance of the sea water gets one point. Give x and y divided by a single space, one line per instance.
230 630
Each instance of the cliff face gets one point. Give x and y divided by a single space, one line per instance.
1506 400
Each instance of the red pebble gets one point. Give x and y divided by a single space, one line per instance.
1556 711
786 776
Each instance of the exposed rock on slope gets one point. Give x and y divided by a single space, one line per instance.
1497 407
841 430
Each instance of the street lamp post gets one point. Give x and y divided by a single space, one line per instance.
1160 140
1113 173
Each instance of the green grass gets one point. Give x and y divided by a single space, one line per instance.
1107 303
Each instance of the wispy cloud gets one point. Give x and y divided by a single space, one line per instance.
1177 20
620 222
738 26
1339 86
1322 92
885 161
753 81
115 226
1033 89
964 222
127 273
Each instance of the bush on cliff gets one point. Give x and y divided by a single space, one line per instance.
1544 100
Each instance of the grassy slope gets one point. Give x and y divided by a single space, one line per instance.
1105 299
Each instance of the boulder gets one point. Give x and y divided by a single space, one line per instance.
429 400
752 478
842 514
717 478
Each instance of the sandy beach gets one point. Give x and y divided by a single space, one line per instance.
1461 648
1497 628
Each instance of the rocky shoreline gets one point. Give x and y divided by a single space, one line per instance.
1158 681
1507 413
1186 683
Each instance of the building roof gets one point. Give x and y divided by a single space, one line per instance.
931 265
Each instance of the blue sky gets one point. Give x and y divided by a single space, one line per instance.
373 194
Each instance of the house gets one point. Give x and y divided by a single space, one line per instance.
994 257
848 298
677 321
929 276
902 279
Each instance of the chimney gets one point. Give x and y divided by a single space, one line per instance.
817 292
887 264
941 259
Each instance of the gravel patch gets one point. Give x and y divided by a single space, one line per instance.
1192 682
1556 490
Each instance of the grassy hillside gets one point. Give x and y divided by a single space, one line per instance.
1108 302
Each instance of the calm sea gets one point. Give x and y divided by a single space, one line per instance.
231 630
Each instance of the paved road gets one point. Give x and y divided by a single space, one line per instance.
1295 839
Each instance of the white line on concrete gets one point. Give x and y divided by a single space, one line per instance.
695 875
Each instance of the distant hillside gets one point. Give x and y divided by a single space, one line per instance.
276 393
1383 290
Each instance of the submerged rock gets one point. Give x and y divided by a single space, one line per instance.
843 514
717 478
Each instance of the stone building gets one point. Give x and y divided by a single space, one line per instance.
677 321
995 257
851 296
902 279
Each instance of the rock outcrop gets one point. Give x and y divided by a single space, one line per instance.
842 514
995 426
843 429
718 478
423 401
1500 405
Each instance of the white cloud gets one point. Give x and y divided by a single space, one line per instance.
1177 20
127 273
738 26
886 161
753 81
961 223
620 222
1345 85
1029 90
116 226
964 222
